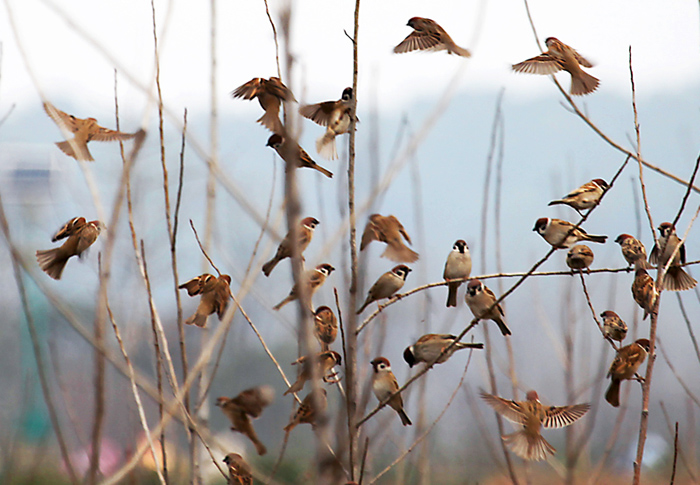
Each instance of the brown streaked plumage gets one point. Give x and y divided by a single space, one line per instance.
384 384
325 361
389 230
238 470
480 299
584 197
79 235
308 411
428 35
295 155
246 405
325 326
335 116
304 234
313 279
215 295
428 347
563 234
644 291
633 251
613 326
386 285
625 366
579 257
270 93
676 279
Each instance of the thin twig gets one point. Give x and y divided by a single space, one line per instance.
687 192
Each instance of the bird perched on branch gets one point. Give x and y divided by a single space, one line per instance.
335 116
304 234
585 197
215 295
313 279
325 326
388 229
676 279
613 326
80 236
294 155
627 361
644 291
428 347
555 231
428 35
270 93
532 415
457 267
633 251
246 405
309 410
561 57
83 130
579 257
384 384
386 285
324 361
238 470
480 300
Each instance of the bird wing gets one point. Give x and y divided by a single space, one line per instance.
86 236
276 87
488 291
370 234
560 416
69 228
105 134
196 285
402 230
542 64
419 41
511 410
320 113
582 60
62 119
248 90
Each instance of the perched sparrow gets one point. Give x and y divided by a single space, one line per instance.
428 347
292 153
384 384
625 366
313 279
457 267
84 131
388 229
270 93
579 257
325 362
215 295
613 326
325 326
555 230
428 35
80 235
335 116
676 279
386 285
238 470
528 443
248 404
307 411
585 197
304 233
633 251
561 57
644 291
479 299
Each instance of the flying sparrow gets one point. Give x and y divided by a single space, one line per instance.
80 235
579 257
238 470
532 415
479 299
676 279
457 267
428 347
561 57
215 295
644 291
384 384
633 251
428 35
248 404
313 279
84 131
386 285
555 230
613 326
293 154
325 326
308 412
325 361
270 93
388 229
625 366
335 116
304 234
585 197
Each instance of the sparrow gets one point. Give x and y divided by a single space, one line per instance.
313 279
561 57
428 347
335 116
325 326
676 279
79 235
292 153
384 384
215 295
308 411
633 251
625 366
579 257
325 362
457 267
386 285
613 326
555 230
304 234
644 291
84 131
248 404
479 299
532 415
585 197
270 93
238 470
388 229
428 35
